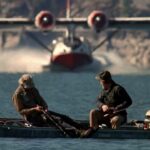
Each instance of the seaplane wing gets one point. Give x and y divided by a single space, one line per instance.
133 23
96 20
15 24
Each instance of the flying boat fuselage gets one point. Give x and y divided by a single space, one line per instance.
71 53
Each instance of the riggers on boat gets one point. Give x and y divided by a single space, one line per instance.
18 128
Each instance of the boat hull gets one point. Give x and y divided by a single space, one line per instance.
71 60
42 132
13 130
30 132
122 134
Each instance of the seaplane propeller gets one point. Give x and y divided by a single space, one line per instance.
44 20
97 20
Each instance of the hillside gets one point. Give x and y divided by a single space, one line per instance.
131 45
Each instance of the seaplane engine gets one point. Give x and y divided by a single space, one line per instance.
44 20
97 20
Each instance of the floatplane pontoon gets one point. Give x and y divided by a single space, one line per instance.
17 128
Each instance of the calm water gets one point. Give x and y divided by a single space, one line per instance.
75 94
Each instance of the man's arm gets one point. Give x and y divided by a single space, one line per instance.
40 100
124 97
19 106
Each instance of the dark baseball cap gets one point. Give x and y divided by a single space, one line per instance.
105 75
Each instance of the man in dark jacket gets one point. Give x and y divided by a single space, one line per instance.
30 104
113 101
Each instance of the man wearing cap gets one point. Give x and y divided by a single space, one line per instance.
113 101
30 104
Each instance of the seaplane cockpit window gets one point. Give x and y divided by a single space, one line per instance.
72 42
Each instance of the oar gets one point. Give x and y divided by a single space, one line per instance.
56 123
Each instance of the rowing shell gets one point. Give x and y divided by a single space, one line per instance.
16 130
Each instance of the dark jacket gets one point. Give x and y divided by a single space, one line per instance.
116 97
24 101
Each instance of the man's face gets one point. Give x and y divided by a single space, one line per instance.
27 84
28 89
104 84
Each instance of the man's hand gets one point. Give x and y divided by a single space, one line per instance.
108 109
38 108
105 108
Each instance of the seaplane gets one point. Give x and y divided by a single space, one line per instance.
72 51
